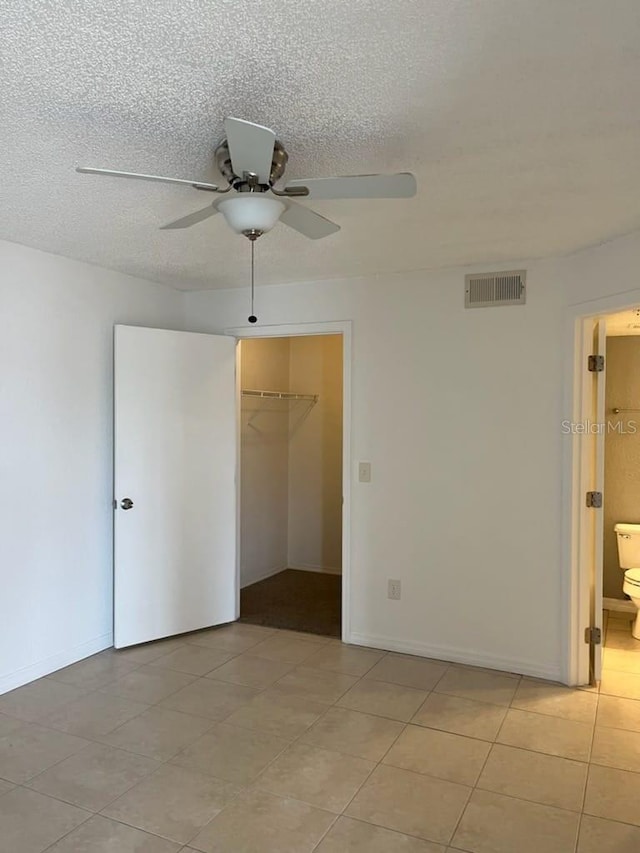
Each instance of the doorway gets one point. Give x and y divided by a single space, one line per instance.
177 501
605 501
621 506
291 482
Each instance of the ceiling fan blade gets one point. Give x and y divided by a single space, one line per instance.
402 185
308 222
191 218
198 185
250 148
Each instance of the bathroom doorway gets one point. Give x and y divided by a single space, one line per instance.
291 482
605 509
621 501
621 448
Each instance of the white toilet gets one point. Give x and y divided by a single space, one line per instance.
628 537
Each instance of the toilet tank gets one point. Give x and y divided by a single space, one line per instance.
628 538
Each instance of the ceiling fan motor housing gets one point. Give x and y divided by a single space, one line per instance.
240 182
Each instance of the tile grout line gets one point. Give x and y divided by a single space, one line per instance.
253 783
359 679
157 704
587 774
66 834
381 763
161 763
103 687
599 694
93 741
325 833
214 723
115 820
474 787
333 704
92 738
377 764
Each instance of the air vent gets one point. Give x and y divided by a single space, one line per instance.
483 290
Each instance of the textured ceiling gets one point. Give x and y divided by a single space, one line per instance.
520 118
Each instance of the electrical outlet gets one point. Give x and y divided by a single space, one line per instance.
394 590
364 472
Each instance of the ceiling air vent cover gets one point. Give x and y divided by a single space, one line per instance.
486 289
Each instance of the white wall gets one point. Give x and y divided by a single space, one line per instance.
604 271
264 461
57 319
459 413
315 455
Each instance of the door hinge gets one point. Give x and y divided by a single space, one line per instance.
595 363
594 500
593 636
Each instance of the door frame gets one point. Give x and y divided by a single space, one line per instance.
578 407
292 330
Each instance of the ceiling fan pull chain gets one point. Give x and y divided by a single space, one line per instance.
252 317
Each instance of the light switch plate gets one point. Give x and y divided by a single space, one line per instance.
394 590
364 472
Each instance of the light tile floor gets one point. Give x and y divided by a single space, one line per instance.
249 740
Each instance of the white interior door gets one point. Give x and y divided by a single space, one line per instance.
175 461
600 347
592 480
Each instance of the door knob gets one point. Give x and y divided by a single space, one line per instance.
126 503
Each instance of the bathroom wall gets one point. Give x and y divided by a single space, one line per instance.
622 451
264 365
315 455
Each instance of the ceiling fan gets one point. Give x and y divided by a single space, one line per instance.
252 161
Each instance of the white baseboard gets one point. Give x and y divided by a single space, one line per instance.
620 604
261 576
308 567
11 680
454 655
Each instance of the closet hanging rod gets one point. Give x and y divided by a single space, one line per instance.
617 411
278 395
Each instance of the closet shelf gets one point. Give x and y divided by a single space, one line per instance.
279 395
265 398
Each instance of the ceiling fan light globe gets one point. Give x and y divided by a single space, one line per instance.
251 212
